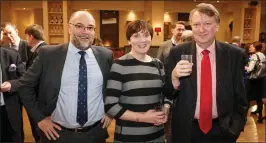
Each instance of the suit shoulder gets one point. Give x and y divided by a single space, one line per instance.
9 51
234 49
52 48
103 49
182 46
165 43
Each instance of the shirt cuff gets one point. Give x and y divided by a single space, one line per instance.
176 84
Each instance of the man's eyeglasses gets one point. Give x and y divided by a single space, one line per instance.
81 27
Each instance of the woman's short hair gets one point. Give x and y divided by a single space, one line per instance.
136 26
257 45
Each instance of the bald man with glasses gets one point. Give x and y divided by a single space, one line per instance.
71 79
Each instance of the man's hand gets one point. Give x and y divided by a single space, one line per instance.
106 121
5 87
182 68
48 127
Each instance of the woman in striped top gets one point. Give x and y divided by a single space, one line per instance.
135 88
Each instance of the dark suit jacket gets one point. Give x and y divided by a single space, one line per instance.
7 57
230 91
45 73
33 55
24 51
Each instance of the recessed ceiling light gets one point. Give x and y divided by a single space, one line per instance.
24 8
218 1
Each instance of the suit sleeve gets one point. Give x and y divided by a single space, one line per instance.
160 53
163 74
28 83
19 72
168 89
240 101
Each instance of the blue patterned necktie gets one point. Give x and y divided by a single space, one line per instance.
82 112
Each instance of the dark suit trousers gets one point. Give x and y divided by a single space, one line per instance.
214 135
94 135
7 132
34 129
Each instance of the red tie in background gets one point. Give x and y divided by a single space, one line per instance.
205 118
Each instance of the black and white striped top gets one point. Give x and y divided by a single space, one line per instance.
136 86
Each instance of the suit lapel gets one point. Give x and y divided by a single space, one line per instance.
3 65
36 51
221 66
99 59
60 62
193 79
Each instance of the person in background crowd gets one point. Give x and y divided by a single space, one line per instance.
262 37
71 80
35 38
187 36
236 41
12 40
11 69
177 29
257 85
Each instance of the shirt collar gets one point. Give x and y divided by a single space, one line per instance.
74 50
211 48
173 41
35 47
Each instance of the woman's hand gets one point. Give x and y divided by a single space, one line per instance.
153 117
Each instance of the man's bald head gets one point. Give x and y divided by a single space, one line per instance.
79 14
81 29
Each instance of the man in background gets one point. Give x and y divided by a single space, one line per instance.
12 40
236 41
35 38
11 68
177 29
187 36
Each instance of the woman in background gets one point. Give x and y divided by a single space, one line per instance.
134 90
257 85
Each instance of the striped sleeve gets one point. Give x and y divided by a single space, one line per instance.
113 91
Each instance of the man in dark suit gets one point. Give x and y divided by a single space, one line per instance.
71 80
212 103
10 36
12 40
34 35
11 68
35 38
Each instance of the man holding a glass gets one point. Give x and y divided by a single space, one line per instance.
209 76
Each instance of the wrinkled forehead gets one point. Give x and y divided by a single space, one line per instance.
8 28
180 26
201 17
84 19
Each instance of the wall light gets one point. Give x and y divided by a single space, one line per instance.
157 30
